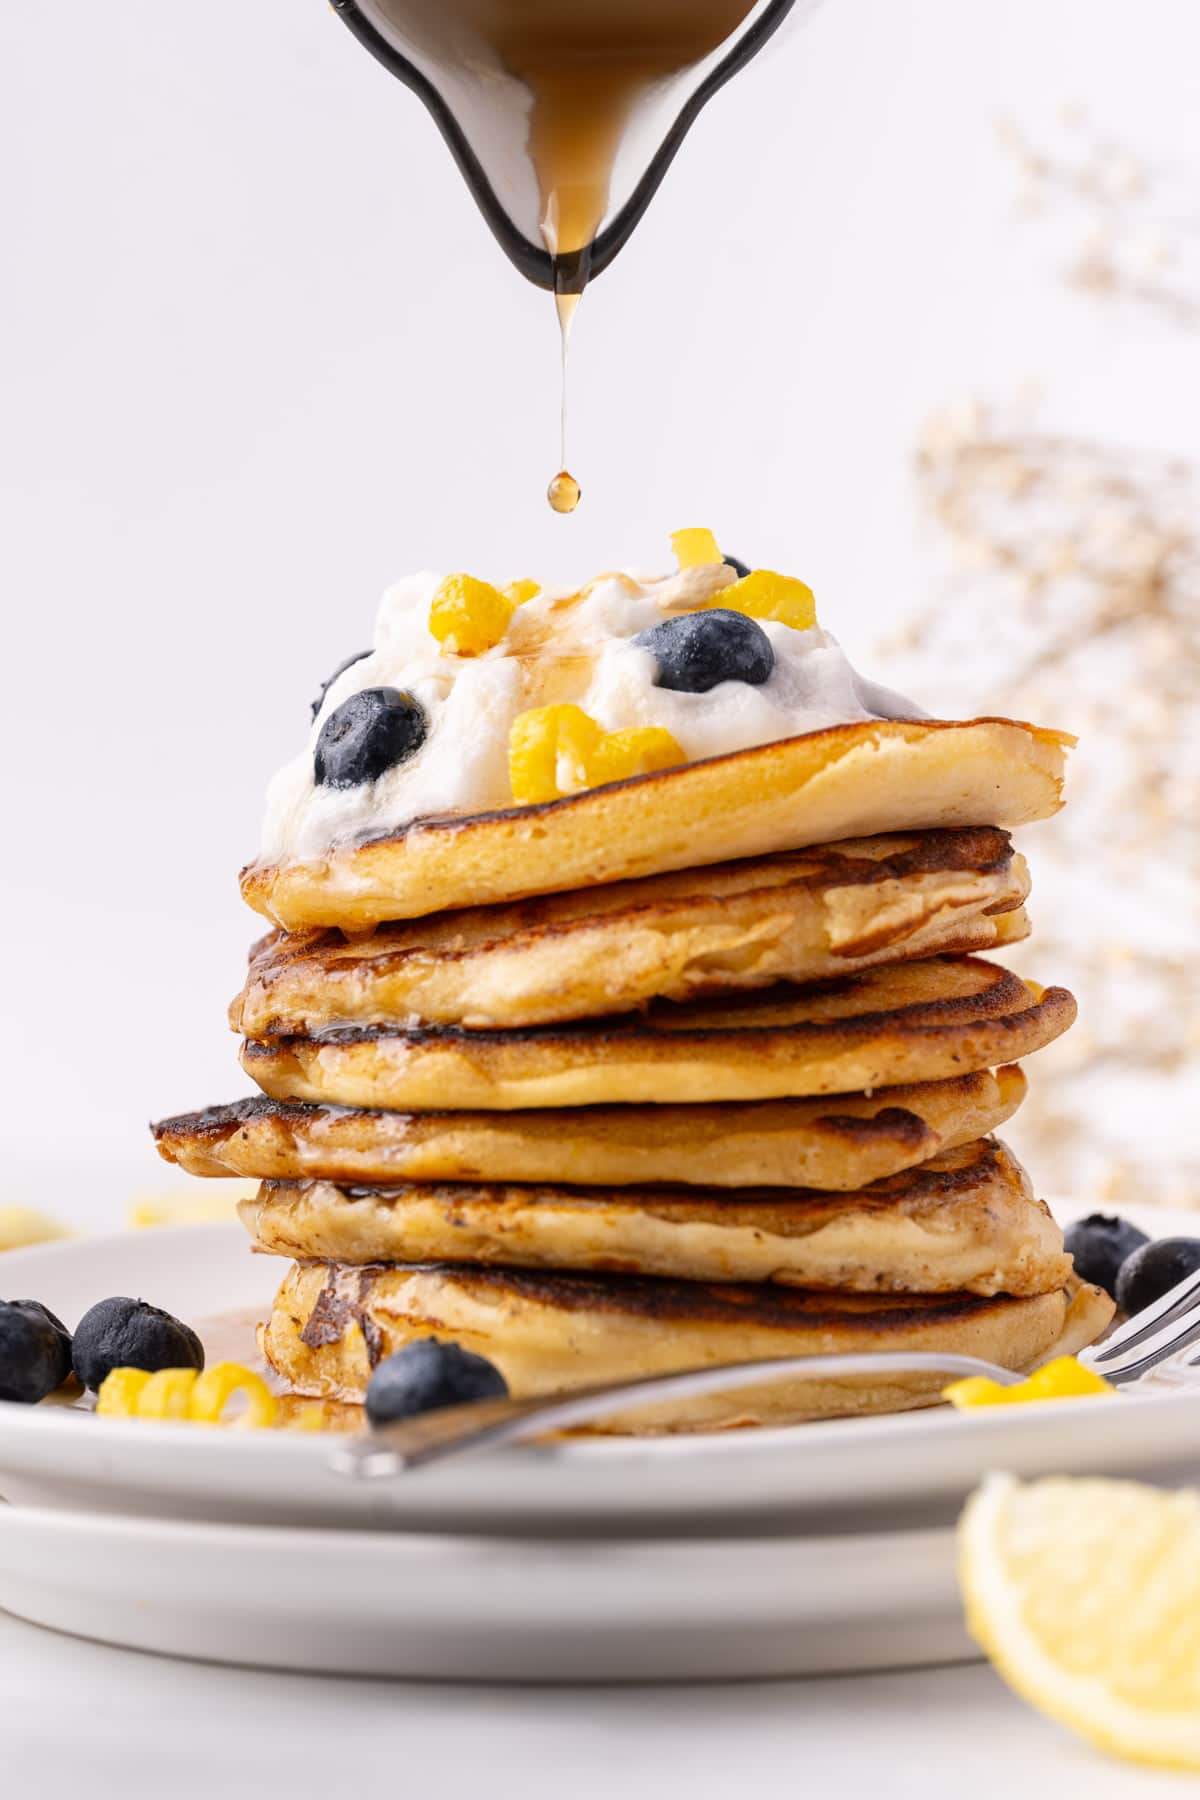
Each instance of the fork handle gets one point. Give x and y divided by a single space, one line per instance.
432 1437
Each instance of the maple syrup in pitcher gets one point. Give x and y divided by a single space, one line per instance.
563 115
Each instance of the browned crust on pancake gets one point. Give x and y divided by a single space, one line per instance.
839 1143
660 1300
998 995
773 797
963 1015
966 1221
800 916
552 1333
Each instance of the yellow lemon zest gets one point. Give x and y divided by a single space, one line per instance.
215 1388
637 752
764 595
548 751
21 1226
118 1394
186 1394
1063 1379
469 616
557 750
694 547
1066 1378
308 1418
166 1395
520 591
976 1390
187 1208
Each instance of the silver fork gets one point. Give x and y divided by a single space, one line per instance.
1145 1343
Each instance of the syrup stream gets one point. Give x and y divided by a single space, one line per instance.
564 491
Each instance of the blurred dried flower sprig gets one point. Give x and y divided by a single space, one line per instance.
1132 226
1071 595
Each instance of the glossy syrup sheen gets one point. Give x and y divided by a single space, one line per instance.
585 65
581 68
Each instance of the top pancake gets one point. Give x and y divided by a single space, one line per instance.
798 916
847 782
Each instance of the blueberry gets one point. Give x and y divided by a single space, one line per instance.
366 735
349 663
428 1374
698 650
131 1334
1148 1274
41 1311
35 1351
737 565
1100 1244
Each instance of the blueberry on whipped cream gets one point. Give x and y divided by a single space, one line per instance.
698 650
365 736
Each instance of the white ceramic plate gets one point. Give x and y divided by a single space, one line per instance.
860 1473
480 1608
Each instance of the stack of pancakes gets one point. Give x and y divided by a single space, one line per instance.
556 1084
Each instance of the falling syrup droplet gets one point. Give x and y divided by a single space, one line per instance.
563 492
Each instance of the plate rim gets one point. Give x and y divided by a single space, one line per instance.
149 1531
183 1439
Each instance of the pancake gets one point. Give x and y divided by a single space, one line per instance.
549 1333
966 1222
802 916
849 781
905 1022
845 1142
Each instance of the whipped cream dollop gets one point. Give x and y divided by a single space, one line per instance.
562 645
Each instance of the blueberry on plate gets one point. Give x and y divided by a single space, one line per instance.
131 1334
366 735
739 568
426 1375
349 663
698 650
1100 1243
35 1351
1154 1269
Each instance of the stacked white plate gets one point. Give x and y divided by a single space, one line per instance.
820 1548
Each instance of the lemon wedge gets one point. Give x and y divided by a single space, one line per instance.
1085 1594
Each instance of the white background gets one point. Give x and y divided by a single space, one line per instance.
259 355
